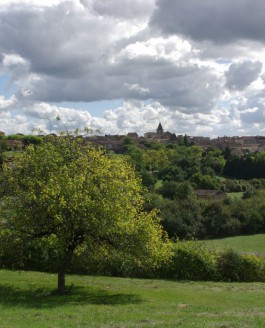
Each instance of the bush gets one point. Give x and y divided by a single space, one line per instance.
253 268
181 219
233 266
192 261
112 263
15 253
233 185
229 265
205 181
218 222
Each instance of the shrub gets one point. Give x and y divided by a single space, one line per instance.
253 268
233 266
218 222
112 263
192 261
205 181
181 219
229 265
177 190
233 185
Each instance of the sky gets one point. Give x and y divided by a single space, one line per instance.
122 66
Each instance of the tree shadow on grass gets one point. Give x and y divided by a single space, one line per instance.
44 298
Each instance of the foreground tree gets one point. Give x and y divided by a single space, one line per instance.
76 195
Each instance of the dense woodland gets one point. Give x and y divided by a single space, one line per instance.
171 176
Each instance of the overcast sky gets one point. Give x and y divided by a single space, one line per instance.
126 65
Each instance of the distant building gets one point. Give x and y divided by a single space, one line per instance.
132 135
160 135
159 130
210 194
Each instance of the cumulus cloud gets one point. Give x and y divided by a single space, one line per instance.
92 50
136 116
218 21
72 57
240 75
6 3
6 103
57 41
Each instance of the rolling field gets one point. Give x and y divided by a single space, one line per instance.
248 244
27 300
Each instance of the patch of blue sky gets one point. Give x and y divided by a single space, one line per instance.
225 103
6 88
148 101
223 61
95 108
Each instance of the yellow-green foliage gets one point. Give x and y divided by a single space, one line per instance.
81 196
192 261
253 268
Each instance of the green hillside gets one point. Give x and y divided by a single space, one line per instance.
253 244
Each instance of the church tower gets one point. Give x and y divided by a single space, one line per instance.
160 129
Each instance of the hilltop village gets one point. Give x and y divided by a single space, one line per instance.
237 145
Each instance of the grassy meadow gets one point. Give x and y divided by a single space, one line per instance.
235 195
248 244
27 300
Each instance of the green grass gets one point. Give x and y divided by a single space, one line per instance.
251 244
158 184
26 300
235 195
12 154
220 178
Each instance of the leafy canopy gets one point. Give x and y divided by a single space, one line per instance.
80 196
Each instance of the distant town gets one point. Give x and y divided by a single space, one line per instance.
237 145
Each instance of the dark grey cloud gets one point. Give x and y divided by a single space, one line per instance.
58 40
218 21
254 117
240 75
189 87
95 87
176 85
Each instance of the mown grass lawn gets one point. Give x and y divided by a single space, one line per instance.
249 244
26 300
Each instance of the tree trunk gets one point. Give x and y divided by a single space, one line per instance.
61 282
62 271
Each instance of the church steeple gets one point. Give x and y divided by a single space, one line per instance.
160 129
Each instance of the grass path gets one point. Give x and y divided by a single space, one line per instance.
26 300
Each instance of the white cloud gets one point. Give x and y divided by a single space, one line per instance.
6 103
37 3
196 73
